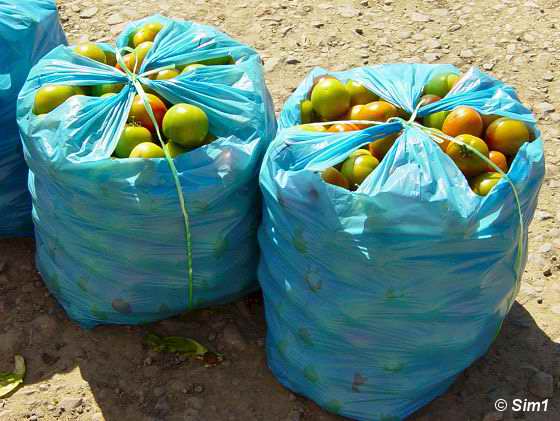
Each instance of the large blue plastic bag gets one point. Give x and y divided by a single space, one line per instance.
377 299
110 233
28 30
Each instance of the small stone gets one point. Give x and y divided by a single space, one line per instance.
555 309
271 64
292 60
544 107
545 248
198 388
454 27
419 17
89 12
43 387
115 19
541 384
543 215
97 417
349 12
466 54
317 24
488 66
162 405
68 404
549 77
194 402
233 339
33 418
493 416
404 34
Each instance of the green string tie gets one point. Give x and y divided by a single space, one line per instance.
133 77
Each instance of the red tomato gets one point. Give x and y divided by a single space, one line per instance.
139 114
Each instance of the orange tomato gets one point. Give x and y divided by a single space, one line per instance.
139 114
332 176
467 161
463 120
499 159
507 135
381 110
341 127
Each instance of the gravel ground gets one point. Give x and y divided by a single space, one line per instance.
107 374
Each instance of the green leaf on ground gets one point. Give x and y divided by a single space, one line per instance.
10 381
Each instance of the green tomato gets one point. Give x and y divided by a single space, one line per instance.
131 137
142 35
435 120
440 84
109 88
174 149
330 98
191 67
92 51
186 125
49 97
141 51
485 182
359 94
147 150
358 166
167 74
306 108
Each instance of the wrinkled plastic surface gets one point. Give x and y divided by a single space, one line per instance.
377 299
28 30
110 233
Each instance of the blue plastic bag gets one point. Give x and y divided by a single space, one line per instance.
110 233
377 299
28 30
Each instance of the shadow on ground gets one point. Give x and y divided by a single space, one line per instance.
114 373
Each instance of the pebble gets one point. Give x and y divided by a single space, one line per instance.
494 416
404 34
544 107
233 339
115 19
545 248
541 384
466 54
292 60
194 402
419 17
488 66
89 12
69 404
349 12
555 309
198 388
549 77
271 64
454 27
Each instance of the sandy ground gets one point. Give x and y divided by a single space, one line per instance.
107 373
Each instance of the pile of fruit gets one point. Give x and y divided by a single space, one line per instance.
184 126
497 138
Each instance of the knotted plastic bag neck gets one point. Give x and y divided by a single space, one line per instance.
440 137
133 77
